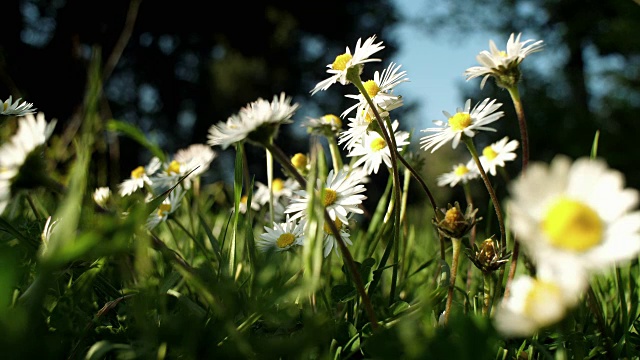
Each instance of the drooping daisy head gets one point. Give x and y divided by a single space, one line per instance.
380 90
465 122
282 236
328 125
535 303
257 122
166 208
16 108
495 155
575 211
341 195
21 165
330 239
373 150
347 61
460 173
503 65
101 196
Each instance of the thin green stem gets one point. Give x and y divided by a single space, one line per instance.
488 287
335 154
280 156
270 183
452 279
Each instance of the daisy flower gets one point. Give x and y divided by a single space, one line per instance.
255 206
330 240
465 122
500 63
282 237
575 211
341 196
358 126
16 108
460 173
343 63
540 302
101 196
327 125
373 150
168 207
139 177
258 121
380 90
496 154
32 133
196 157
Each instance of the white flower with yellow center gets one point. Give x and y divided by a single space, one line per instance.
330 240
341 196
16 108
537 303
166 208
373 149
496 154
575 211
460 173
282 237
358 126
380 90
465 122
32 133
258 121
497 62
194 160
344 62
139 177
327 125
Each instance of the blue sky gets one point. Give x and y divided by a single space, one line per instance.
434 65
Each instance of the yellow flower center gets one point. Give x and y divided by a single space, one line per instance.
368 118
378 144
173 168
372 88
461 170
163 209
329 197
5 106
285 240
502 53
460 121
572 225
341 61
452 217
277 185
327 228
489 153
137 173
333 120
244 199
299 161
537 299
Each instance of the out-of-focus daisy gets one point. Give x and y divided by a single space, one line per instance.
380 90
255 206
575 211
460 173
168 207
16 169
343 63
282 237
140 176
496 154
300 161
101 196
327 125
258 121
341 196
465 121
16 108
330 240
540 302
281 189
500 63
373 149
193 160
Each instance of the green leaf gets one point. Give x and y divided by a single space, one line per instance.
137 135
594 146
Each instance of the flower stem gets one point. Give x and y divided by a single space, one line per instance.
494 199
270 183
280 156
524 139
335 154
487 282
452 278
